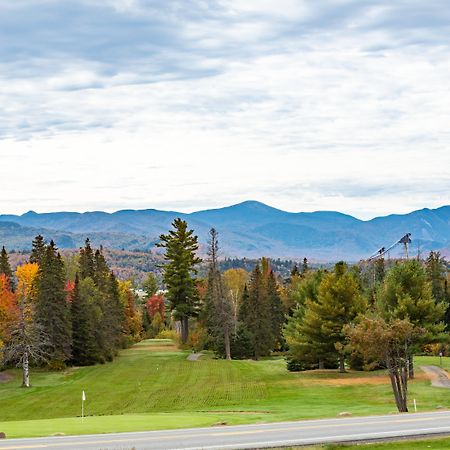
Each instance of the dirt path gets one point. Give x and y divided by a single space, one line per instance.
194 356
439 377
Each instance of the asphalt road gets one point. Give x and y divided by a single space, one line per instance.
252 436
438 376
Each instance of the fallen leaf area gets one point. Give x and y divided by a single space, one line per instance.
331 378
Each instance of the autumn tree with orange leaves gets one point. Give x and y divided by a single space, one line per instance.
27 338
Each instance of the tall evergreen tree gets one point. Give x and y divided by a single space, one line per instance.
436 270
86 261
277 312
100 296
84 348
100 271
180 246
406 294
114 312
218 305
319 337
52 310
255 314
150 284
5 267
37 249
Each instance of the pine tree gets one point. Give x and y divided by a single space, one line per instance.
406 294
219 310
114 313
150 285
100 271
52 310
180 246
276 311
37 249
302 288
86 261
319 337
84 348
436 270
255 314
5 267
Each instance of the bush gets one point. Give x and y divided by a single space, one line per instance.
198 339
241 344
295 366
435 349
168 334
56 364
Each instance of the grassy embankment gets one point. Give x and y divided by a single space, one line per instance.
153 386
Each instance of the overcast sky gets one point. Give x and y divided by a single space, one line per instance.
191 104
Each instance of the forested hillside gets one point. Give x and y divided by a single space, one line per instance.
250 229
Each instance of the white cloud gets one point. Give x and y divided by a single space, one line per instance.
303 107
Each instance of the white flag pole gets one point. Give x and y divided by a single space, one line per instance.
83 399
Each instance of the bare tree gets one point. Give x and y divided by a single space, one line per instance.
219 308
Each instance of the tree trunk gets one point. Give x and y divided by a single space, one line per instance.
184 329
341 364
25 371
405 388
399 382
411 367
321 365
395 390
226 339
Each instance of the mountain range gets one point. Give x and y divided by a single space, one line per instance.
249 229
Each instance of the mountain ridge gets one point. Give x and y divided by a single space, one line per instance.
247 229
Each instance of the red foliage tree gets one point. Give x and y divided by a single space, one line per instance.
69 290
155 304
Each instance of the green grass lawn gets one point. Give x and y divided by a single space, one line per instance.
153 386
415 444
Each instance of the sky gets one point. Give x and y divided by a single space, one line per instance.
196 104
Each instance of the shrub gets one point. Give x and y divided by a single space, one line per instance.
198 339
167 334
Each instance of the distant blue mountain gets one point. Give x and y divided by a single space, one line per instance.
248 229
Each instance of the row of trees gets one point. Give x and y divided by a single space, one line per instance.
46 318
240 319
343 318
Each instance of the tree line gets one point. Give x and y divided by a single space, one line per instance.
48 319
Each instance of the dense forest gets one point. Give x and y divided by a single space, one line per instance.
135 265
